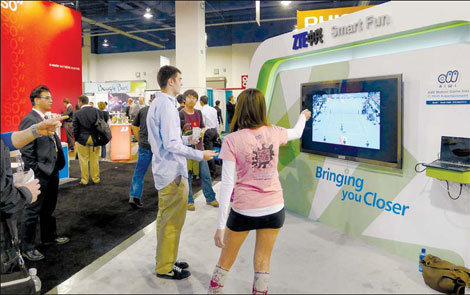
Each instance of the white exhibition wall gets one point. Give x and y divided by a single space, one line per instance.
433 220
231 61
422 49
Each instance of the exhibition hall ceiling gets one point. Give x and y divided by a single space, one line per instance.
227 22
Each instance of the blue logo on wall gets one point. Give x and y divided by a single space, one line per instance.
450 77
303 39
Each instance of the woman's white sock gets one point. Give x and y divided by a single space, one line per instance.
217 281
260 282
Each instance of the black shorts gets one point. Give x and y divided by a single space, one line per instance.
239 222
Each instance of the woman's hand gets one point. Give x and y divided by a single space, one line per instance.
219 238
307 114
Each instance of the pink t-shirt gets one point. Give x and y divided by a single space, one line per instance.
256 153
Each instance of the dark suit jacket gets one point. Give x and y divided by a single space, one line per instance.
40 154
230 111
84 124
105 115
219 115
68 112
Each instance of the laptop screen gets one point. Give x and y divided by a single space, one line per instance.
455 149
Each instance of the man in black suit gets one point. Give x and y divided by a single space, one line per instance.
16 195
84 131
67 124
230 109
45 157
219 112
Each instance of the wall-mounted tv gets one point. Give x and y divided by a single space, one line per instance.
355 119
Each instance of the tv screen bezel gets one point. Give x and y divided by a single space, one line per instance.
399 140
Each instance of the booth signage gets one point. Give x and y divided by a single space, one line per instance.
370 22
313 17
41 45
303 39
108 87
447 90
356 193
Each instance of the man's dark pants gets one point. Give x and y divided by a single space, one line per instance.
43 208
210 138
69 130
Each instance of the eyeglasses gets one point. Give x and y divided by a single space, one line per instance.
46 97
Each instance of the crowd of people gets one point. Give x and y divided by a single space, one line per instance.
178 143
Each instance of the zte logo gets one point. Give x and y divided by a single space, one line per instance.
124 129
450 77
12 5
302 40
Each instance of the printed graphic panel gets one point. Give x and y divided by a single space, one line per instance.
41 45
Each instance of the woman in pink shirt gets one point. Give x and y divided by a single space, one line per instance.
250 154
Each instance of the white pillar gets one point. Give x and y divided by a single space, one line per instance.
86 52
191 44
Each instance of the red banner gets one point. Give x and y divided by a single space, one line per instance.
41 45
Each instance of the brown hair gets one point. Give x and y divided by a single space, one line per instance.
83 99
165 73
250 110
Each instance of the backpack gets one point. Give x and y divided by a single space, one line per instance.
103 132
444 276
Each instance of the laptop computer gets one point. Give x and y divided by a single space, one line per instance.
455 154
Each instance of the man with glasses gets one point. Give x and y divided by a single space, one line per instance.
45 157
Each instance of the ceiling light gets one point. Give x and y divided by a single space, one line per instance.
285 3
147 14
105 43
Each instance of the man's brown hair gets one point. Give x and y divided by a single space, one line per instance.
83 99
164 74
250 110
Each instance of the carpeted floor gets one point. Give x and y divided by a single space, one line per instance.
97 218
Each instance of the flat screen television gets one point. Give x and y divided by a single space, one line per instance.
355 119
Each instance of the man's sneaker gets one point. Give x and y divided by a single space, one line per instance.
181 264
136 203
191 207
213 203
33 255
57 241
176 274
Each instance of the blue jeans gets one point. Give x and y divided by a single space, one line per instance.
206 182
143 161
103 151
